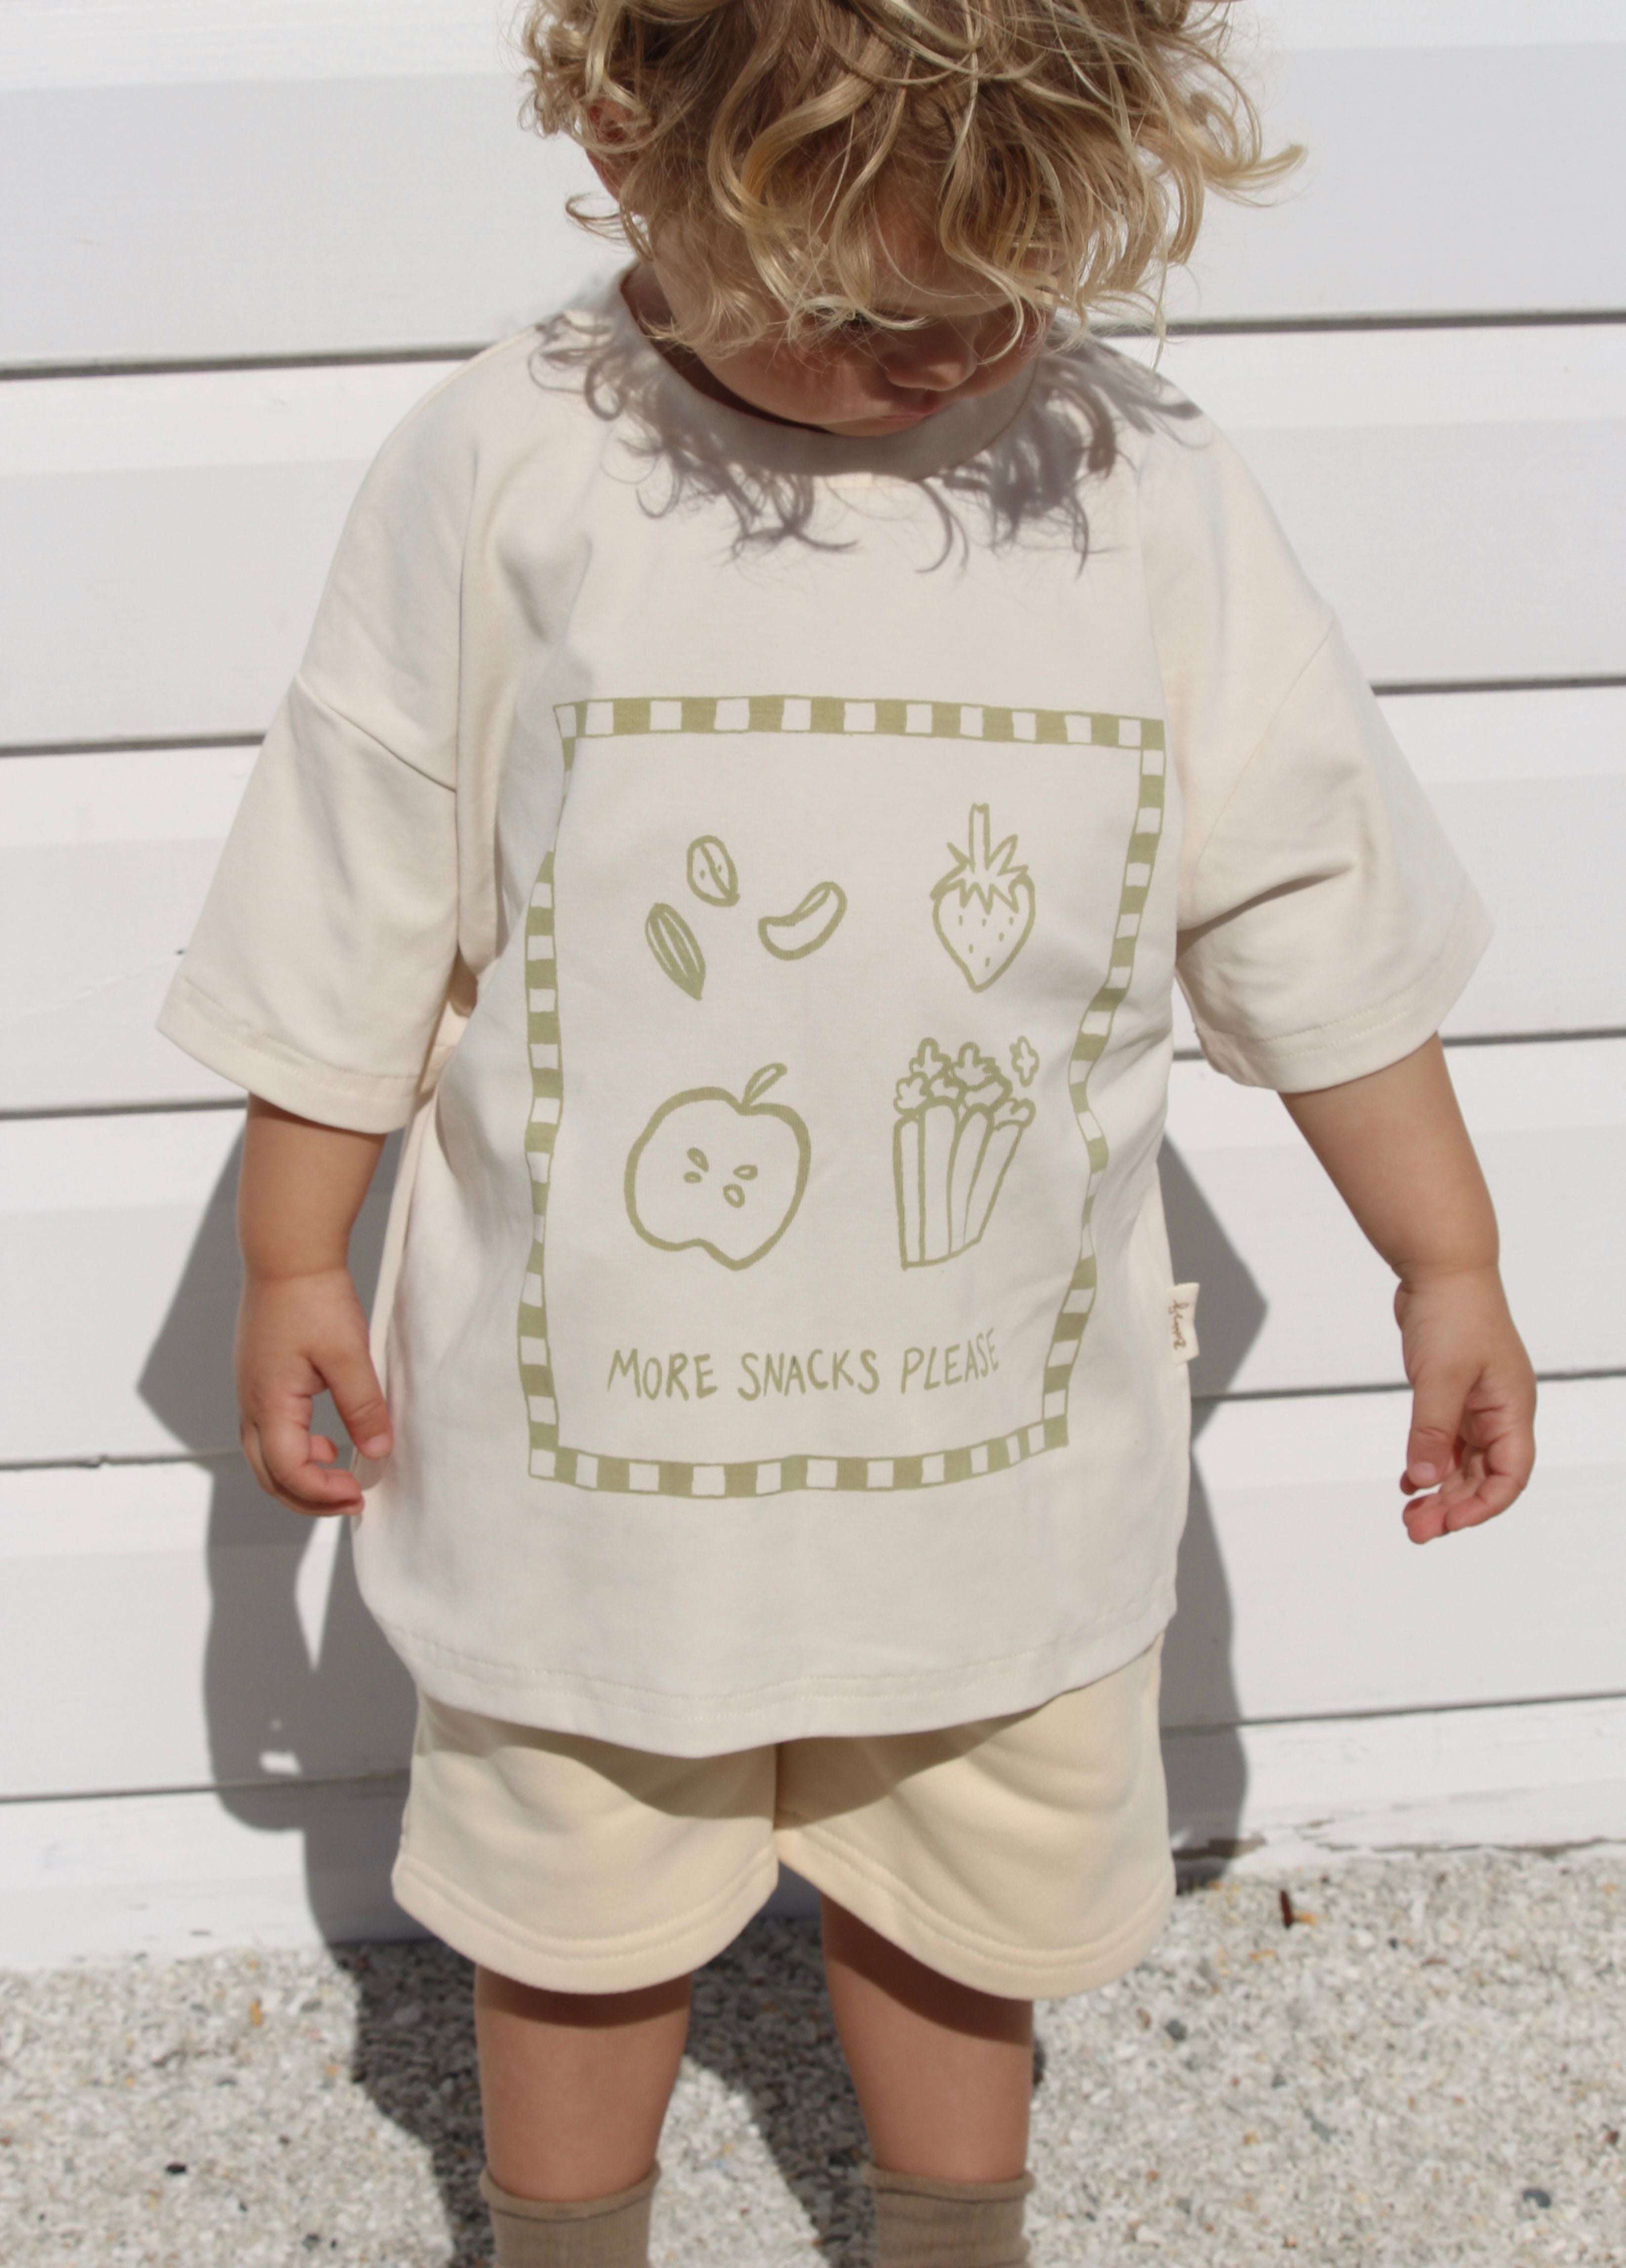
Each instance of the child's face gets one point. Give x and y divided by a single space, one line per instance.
864 381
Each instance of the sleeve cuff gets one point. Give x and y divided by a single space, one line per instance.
360 1102
1327 1054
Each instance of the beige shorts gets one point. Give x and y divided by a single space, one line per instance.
1028 1856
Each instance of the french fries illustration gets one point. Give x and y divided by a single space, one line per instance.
958 1127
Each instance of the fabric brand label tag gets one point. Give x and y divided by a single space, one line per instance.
1183 1321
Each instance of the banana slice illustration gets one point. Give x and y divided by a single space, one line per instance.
793 936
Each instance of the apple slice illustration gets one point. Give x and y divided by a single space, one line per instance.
721 1172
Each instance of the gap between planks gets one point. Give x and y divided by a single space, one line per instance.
165 744
1198 327
1393 1385
396 1778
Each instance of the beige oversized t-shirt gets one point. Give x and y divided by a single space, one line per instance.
780 1340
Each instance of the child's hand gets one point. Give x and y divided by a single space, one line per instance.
1472 1443
295 1336
1399 1155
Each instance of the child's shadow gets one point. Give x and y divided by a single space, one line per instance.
309 1714
761 2027
761 2024
1206 1763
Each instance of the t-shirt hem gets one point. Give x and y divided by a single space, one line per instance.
254 1061
1329 1055
810 1708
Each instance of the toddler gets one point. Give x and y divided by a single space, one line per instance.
772 737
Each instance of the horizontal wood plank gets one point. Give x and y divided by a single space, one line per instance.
1529 784
124 43
1550 1773
207 178
1411 468
240 1627
1297 1301
105 858
104 864
108 1877
1301 1595
83 975
1467 523
119 1257
199 553
116 1247
1546 859
279 216
1406 203
1423 381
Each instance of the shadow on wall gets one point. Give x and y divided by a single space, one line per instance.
309 1713
310 1724
1207 1778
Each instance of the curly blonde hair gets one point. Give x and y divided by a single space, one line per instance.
1060 150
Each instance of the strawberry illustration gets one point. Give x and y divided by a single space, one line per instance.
984 908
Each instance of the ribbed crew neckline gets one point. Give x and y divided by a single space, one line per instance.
951 436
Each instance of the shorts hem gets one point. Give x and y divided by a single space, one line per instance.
1012 1972
642 1958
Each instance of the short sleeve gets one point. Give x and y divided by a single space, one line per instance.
1325 924
322 959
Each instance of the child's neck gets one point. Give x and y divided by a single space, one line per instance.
646 303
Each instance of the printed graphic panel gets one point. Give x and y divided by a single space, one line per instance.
815 987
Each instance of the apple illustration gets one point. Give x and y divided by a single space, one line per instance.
725 1173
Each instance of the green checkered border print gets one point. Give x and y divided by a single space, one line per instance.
551 1459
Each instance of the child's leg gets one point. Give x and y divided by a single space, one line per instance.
574 2086
1028 1855
586 1882
944 2074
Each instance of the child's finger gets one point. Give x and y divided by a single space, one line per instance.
1501 1475
279 1450
1427 1517
353 1383
1496 1474
1437 1403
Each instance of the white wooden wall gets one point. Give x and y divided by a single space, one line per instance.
236 238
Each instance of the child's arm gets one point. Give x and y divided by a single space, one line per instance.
300 1326
1399 1156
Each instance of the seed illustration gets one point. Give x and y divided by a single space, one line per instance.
793 936
711 871
677 949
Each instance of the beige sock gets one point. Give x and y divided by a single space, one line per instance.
921 2223
609 2232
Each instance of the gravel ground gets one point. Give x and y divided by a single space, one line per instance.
1428 2067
